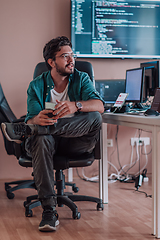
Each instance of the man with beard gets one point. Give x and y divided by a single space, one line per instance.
73 127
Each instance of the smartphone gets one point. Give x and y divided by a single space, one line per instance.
50 105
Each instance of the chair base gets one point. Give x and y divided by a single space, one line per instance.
63 198
66 199
21 184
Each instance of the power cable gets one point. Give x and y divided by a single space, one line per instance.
144 193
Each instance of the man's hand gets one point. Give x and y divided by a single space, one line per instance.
44 118
63 108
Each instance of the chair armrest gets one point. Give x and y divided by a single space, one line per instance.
21 119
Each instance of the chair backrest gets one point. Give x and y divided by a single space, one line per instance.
83 66
6 115
40 68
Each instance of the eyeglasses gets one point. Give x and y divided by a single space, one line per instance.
67 56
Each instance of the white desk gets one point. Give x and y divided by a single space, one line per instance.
149 123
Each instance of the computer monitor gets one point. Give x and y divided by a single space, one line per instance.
110 89
151 79
134 85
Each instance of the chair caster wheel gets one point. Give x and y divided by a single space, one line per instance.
10 195
77 215
100 207
28 213
7 187
75 189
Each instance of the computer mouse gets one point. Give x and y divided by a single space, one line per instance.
151 112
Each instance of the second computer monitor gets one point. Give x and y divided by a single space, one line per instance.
134 85
151 78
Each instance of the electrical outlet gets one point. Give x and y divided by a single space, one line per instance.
140 141
109 142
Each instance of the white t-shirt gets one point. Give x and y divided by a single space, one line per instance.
63 96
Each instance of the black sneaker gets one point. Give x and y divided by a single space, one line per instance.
16 132
49 220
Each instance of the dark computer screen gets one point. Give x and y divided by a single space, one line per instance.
110 89
134 85
115 29
151 79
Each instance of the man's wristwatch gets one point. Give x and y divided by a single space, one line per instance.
79 106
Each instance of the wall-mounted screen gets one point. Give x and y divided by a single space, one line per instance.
115 29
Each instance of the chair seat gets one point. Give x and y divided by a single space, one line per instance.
25 161
62 162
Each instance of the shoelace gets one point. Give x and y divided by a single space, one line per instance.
49 214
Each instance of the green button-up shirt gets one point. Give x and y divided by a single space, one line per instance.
80 88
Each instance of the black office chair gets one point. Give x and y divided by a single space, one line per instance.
62 162
12 148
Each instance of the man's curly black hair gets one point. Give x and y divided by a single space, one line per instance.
53 46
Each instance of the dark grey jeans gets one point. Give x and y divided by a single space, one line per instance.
74 135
